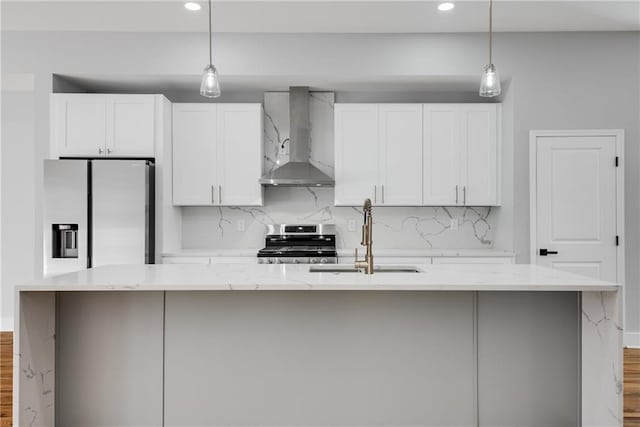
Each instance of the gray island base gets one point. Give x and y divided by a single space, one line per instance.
265 345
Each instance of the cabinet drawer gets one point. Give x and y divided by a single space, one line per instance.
473 260
186 260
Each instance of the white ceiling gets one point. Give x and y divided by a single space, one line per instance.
320 16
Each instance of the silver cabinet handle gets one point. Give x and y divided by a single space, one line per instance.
99 150
464 195
375 194
456 194
213 200
383 194
108 150
220 194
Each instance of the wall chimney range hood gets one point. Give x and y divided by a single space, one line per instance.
298 172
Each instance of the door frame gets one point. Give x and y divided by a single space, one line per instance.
533 208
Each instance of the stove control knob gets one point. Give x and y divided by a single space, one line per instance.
296 261
323 261
269 261
313 260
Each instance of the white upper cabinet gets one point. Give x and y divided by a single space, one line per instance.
441 156
378 154
217 154
400 154
194 154
240 148
132 126
480 143
357 140
461 155
94 125
418 154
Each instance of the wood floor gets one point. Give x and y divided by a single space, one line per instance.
631 383
6 378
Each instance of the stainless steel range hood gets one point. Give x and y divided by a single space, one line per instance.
298 171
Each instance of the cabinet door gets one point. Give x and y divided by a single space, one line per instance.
194 154
131 128
79 124
356 152
441 155
480 154
239 141
400 154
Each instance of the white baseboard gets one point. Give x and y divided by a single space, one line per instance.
632 339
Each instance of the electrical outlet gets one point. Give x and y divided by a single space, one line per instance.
454 223
240 225
351 225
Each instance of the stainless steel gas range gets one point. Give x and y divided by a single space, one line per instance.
299 244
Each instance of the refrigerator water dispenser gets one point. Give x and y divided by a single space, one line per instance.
64 241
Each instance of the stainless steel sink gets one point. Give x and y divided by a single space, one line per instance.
350 269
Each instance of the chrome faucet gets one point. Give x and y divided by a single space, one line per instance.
367 230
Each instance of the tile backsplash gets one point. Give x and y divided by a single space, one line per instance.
394 227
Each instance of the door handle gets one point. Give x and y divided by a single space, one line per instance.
383 194
220 194
464 195
545 252
456 194
375 194
213 194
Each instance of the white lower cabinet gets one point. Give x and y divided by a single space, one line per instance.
473 260
210 260
387 260
234 260
185 260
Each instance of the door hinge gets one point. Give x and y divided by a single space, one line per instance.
617 161
617 240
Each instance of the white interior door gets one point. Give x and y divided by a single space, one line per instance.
575 186
401 154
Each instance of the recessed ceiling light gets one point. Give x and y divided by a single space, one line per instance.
444 7
192 6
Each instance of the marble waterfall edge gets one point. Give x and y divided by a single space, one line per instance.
396 227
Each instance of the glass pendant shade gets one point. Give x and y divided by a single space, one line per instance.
210 86
490 82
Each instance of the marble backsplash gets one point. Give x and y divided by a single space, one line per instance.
394 227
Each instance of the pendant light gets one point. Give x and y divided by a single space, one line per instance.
210 85
490 82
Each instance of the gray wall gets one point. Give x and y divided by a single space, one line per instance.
557 81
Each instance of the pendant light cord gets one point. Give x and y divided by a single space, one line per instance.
490 31
210 37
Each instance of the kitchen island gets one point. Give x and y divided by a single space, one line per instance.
195 345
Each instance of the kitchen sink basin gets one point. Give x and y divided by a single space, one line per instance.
351 269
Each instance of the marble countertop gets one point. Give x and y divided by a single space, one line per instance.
225 277
349 253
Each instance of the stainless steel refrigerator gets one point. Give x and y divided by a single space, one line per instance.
97 212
